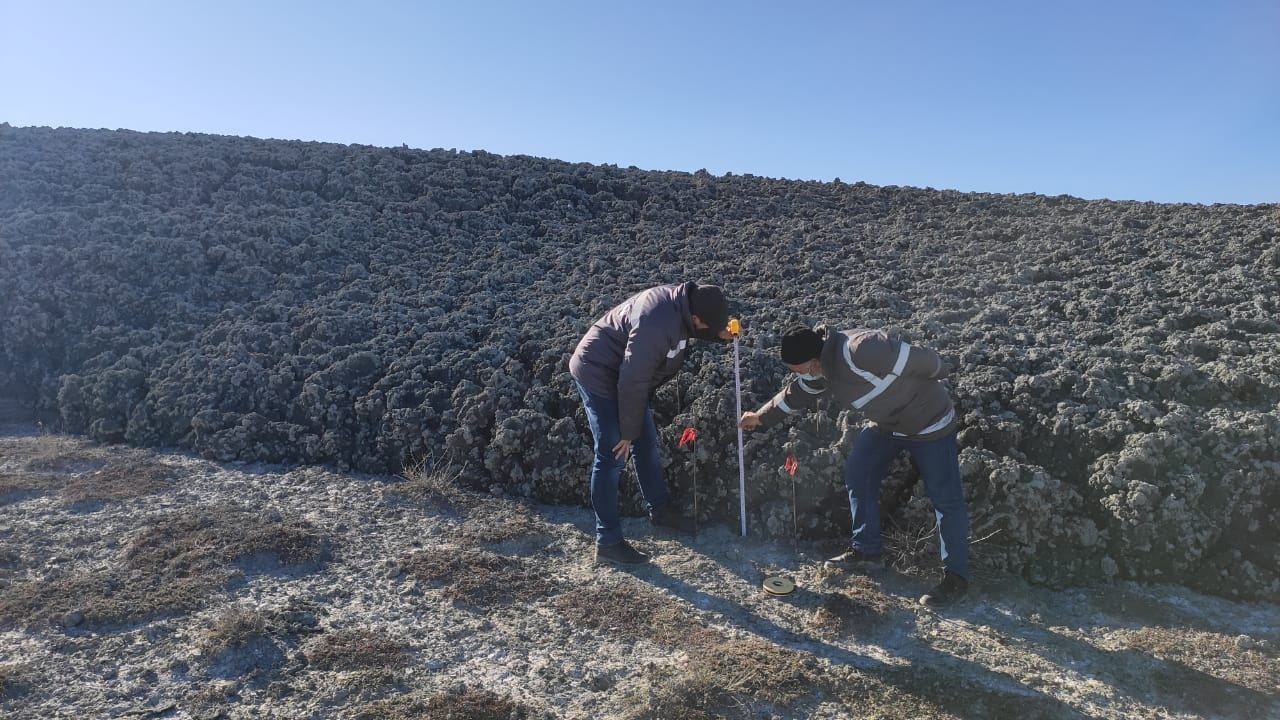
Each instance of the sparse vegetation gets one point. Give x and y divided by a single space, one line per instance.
912 550
171 566
716 673
464 703
363 649
628 612
14 681
19 486
231 629
722 677
9 556
1238 659
476 577
533 632
240 642
437 482
118 480
53 453
511 521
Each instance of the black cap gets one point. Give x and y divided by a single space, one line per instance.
800 344
708 303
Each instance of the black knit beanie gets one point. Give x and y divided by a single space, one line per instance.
709 304
800 344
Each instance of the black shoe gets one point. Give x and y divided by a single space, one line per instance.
668 516
952 588
620 554
855 560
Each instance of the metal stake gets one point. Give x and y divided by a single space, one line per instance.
736 329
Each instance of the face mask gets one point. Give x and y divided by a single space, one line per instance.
809 376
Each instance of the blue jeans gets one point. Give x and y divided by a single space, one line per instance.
939 464
602 416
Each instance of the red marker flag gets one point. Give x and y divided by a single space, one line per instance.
790 465
688 436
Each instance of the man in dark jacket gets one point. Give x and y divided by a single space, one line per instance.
617 365
898 388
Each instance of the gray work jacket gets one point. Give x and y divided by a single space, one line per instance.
633 349
896 386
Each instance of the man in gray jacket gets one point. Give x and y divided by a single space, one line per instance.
617 365
898 388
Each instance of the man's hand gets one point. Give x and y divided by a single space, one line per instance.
725 334
749 421
621 449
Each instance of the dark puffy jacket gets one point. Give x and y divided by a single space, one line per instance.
633 349
894 385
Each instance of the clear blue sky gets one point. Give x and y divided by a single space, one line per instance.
1166 101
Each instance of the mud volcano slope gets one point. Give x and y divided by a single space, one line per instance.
1118 364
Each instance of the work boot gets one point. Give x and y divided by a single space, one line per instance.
620 553
668 516
952 588
855 560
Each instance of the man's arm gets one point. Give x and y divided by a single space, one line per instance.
797 396
925 363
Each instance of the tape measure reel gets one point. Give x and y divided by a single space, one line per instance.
778 585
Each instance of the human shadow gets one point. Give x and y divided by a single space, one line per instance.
1154 681
958 685
933 677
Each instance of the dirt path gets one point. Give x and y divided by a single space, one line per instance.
143 584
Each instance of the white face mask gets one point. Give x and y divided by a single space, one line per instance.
807 376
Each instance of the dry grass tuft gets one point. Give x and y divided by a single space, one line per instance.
458 704
510 522
232 629
19 486
172 566
487 520
119 480
833 618
913 551
477 577
210 698
1213 654
435 483
184 543
717 674
13 681
56 453
727 677
630 613
9 556
240 642
355 650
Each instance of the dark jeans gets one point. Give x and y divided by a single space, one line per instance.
602 416
939 464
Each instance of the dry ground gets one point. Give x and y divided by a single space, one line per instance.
140 584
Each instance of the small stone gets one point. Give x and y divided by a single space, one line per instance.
72 619
1244 642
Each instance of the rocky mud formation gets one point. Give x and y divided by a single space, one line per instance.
1117 363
